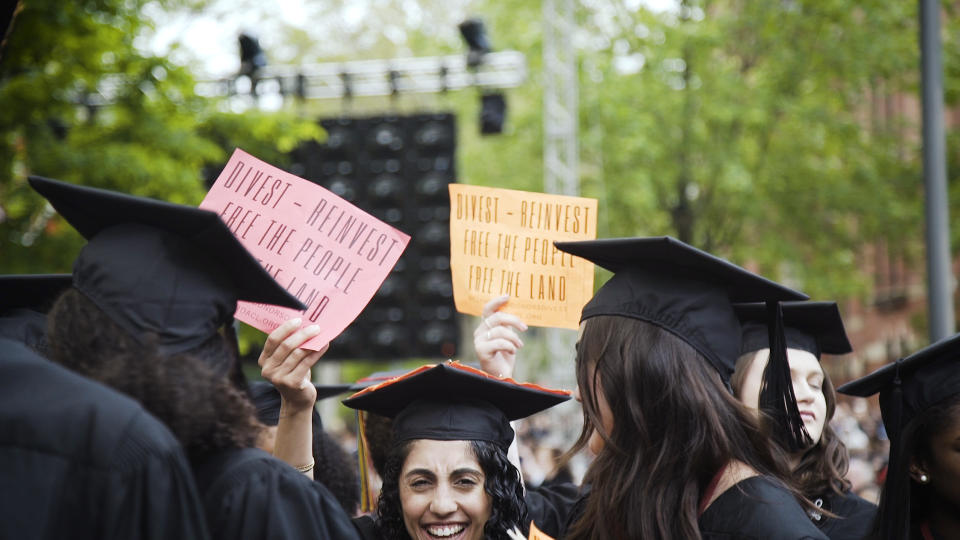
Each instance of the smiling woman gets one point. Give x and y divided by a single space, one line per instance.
447 474
441 490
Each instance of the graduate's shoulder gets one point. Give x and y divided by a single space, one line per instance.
755 508
854 519
249 487
47 408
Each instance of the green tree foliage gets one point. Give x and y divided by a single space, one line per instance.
951 87
782 134
750 129
80 103
767 132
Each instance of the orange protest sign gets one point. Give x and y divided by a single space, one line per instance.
501 243
537 534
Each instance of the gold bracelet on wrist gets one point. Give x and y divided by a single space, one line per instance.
305 468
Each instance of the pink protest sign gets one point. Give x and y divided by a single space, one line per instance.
328 253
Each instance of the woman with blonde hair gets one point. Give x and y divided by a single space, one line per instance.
820 464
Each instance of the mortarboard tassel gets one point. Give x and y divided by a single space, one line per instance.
895 505
777 399
235 370
366 497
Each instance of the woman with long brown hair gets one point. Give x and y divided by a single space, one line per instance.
819 467
676 455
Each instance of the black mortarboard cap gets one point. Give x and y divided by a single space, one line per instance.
172 270
454 402
912 384
907 388
376 378
266 398
689 293
682 289
815 327
24 302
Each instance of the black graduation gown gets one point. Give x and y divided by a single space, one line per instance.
855 516
79 460
553 507
25 326
917 532
367 527
757 509
249 494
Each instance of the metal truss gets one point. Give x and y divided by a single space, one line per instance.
560 99
422 75
560 149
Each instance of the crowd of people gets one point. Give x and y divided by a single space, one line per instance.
861 429
124 412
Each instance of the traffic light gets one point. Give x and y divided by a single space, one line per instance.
396 168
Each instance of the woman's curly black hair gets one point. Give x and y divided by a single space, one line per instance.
502 484
197 401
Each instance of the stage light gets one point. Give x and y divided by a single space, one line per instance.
474 33
339 139
252 57
397 168
493 113
343 187
433 134
384 137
